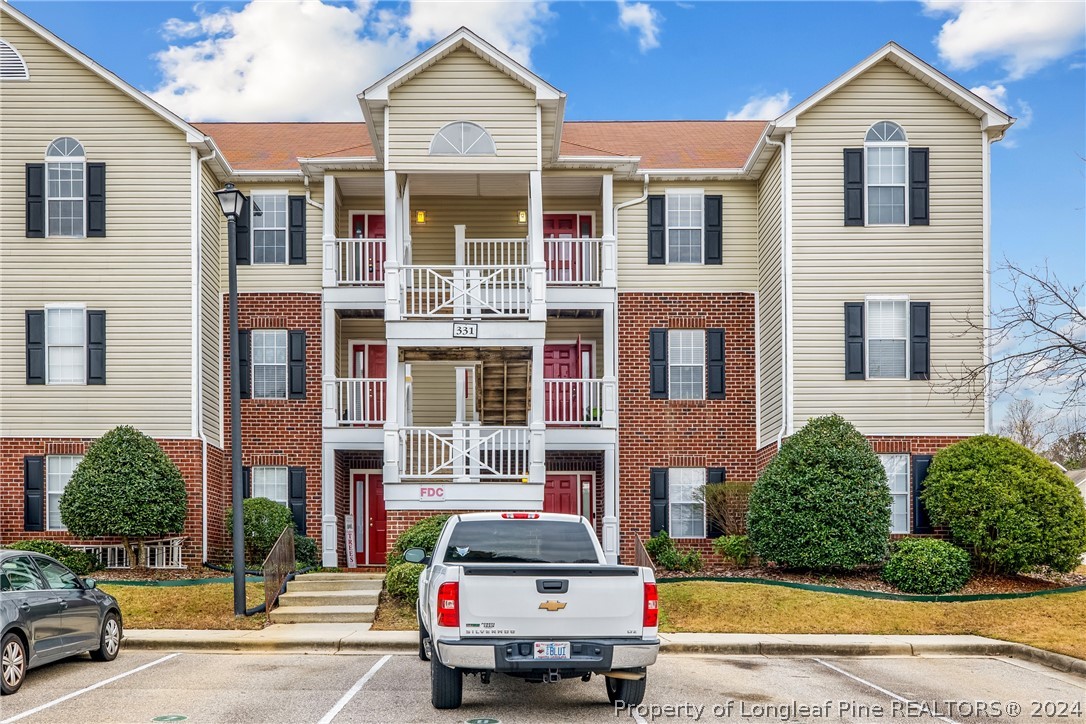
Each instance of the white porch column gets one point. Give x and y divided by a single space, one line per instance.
329 338
537 442
609 250
610 368
328 237
329 524
393 242
405 222
394 404
536 255
610 504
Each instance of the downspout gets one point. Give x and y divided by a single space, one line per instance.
644 196
785 285
309 199
197 219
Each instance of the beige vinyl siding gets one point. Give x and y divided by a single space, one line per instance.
590 330
770 305
462 87
140 273
433 393
833 264
738 273
212 238
284 277
355 330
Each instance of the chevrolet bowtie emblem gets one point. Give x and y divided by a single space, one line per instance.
553 605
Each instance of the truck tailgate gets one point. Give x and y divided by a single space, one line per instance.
554 602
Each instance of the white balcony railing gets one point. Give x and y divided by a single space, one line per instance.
360 262
575 402
574 262
358 402
465 291
465 452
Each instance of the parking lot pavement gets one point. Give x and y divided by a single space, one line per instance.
372 688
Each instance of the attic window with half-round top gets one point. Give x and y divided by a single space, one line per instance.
12 65
462 138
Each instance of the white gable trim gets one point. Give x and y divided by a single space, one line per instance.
192 134
989 115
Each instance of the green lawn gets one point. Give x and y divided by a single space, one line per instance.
204 606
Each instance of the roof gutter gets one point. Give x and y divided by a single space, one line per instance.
639 200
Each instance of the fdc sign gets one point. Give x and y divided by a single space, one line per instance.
432 493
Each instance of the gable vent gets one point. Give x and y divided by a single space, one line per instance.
12 65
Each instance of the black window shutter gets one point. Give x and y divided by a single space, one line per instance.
296 369
921 521
296 498
658 496
35 346
714 364
96 347
658 364
33 492
714 229
854 340
919 340
296 207
245 356
714 476
918 187
96 199
854 187
657 231
246 482
243 239
35 200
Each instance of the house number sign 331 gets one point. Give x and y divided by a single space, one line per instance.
463 329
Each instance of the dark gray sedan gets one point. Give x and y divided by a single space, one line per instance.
47 613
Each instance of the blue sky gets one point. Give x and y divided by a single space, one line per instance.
623 60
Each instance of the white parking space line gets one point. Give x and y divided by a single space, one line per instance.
327 718
878 688
92 687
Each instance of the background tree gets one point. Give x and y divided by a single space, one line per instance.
1025 423
1069 444
125 486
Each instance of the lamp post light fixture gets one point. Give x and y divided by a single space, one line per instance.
233 203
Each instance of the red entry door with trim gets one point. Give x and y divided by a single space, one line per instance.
370 262
371 525
369 361
562 494
561 401
564 259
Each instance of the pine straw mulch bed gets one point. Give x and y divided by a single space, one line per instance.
156 574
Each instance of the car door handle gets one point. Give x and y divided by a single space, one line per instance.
24 606
63 605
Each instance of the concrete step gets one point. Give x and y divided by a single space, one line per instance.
307 585
323 614
341 577
328 598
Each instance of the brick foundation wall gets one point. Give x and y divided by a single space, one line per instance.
281 432
187 455
218 499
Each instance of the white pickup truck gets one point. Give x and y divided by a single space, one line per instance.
530 595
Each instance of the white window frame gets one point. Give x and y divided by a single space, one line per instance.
867 177
867 334
671 364
267 470
285 364
82 309
286 227
668 194
52 161
51 462
905 493
468 152
671 502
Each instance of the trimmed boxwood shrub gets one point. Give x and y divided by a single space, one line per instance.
263 523
735 548
402 581
661 548
1011 508
926 565
822 503
305 550
81 562
421 535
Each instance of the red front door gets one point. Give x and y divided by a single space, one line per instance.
561 400
371 524
564 258
562 494
370 260
369 363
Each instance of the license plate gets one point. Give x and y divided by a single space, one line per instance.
552 649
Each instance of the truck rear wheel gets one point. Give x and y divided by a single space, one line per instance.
629 691
446 685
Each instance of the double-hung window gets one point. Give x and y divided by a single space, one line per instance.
885 149
58 471
686 511
887 337
897 478
270 363
66 345
270 483
65 195
269 228
686 364
685 227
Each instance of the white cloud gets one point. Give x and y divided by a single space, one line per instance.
644 19
997 95
1023 35
763 108
305 60
994 94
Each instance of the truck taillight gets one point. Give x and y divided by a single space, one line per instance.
652 606
448 604
520 516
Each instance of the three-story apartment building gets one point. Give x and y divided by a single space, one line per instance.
465 302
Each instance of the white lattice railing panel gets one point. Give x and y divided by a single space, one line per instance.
164 553
465 291
464 452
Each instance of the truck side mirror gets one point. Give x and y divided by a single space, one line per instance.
415 555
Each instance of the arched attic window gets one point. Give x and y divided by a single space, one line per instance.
12 65
65 193
462 138
886 150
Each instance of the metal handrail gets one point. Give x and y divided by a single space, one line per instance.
277 566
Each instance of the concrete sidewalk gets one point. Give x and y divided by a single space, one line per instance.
348 638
